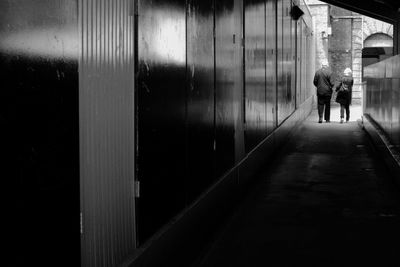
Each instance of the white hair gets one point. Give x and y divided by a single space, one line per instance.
347 71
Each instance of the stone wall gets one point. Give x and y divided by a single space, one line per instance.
357 58
319 13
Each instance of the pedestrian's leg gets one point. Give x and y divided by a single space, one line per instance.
320 108
347 112
341 113
327 109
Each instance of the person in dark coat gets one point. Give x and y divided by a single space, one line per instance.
323 82
344 94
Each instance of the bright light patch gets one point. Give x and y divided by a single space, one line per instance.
51 43
170 42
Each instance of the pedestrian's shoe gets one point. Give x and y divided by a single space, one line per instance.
347 121
341 121
328 121
320 121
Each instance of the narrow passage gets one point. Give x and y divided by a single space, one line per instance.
326 200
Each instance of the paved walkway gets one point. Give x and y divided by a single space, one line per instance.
326 200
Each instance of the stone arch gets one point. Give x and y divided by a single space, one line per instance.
378 39
372 26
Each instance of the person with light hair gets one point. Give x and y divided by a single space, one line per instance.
344 94
324 83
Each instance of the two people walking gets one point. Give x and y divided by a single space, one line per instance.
325 85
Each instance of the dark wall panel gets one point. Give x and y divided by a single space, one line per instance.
271 64
238 72
255 75
228 81
281 82
303 52
286 85
386 96
303 68
39 136
396 108
161 112
288 36
382 96
206 72
200 97
68 113
299 72
293 60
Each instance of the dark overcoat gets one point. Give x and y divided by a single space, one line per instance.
344 97
323 81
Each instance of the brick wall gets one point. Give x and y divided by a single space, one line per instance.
340 43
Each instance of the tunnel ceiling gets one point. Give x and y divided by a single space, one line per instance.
386 10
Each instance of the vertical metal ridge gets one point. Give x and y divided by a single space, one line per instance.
107 132
215 85
265 69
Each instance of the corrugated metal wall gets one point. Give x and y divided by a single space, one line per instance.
106 110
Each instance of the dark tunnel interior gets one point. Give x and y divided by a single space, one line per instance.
132 129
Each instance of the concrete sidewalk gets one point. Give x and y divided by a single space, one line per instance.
355 113
326 200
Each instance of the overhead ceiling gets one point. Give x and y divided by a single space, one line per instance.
386 10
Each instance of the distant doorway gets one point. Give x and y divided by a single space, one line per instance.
377 47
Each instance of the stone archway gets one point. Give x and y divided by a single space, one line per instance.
372 26
376 47
378 39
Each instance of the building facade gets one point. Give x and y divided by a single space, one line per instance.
349 40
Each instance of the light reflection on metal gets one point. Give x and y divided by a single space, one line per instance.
382 96
42 42
168 44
